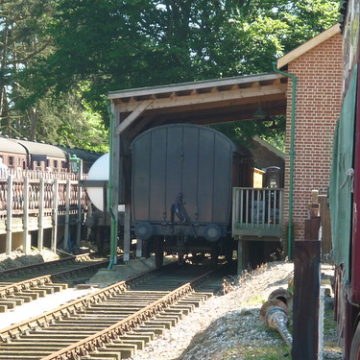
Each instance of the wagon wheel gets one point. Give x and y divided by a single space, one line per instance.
355 345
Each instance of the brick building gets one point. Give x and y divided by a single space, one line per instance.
317 64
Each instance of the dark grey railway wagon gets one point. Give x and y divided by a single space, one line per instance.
182 178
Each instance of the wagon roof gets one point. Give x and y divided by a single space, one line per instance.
11 147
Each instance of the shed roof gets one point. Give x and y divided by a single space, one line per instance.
201 102
302 49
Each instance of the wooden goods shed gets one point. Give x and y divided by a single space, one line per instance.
202 103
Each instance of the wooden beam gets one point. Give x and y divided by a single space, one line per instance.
207 119
198 99
191 86
235 105
136 112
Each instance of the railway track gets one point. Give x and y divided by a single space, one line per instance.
111 323
24 284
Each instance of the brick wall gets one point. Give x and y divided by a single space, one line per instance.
319 73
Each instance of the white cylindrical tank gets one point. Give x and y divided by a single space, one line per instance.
98 171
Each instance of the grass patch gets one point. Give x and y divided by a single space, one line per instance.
330 337
255 300
269 352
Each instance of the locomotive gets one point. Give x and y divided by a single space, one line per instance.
181 188
31 155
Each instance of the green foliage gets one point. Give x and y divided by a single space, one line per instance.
70 122
118 44
258 352
271 129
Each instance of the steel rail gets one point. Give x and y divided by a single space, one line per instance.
14 288
91 343
47 318
14 294
46 264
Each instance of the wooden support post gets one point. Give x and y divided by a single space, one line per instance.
127 235
306 300
9 212
67 215
26 237
40 243
326 225
240 256
113 186
139 248
312 227
54 233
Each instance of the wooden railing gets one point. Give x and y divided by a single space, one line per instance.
257 212
18 173
16 194
34 202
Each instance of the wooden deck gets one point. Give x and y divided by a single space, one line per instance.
257 213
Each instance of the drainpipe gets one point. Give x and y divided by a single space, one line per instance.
292 153
110 195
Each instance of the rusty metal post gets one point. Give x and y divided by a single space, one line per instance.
306 297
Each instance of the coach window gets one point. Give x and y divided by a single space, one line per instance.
55 164
11 161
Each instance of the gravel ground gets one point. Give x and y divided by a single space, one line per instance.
18 259
228 326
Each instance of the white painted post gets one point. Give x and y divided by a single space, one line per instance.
26 237
54 233
9 209
67 214
40 244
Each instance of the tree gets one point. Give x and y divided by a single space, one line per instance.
23 38
118 44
